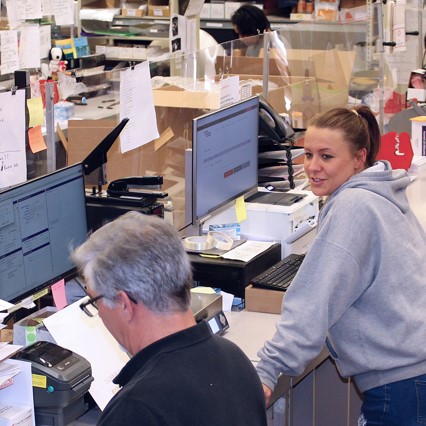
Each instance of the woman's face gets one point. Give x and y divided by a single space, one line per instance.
247 39
329 160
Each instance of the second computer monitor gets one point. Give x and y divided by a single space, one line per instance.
224 157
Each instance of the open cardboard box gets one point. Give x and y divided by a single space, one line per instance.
314 81
173 96
280 88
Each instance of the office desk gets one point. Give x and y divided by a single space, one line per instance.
416 193
232 276
318 396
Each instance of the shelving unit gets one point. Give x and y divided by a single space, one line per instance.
134 28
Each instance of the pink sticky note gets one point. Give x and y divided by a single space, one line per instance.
58 292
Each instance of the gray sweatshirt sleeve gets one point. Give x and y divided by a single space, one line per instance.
326 284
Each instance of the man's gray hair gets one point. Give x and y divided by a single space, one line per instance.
141 255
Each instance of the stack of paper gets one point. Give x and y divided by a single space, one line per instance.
7 372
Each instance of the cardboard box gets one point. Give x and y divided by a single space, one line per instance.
205 11
312 80
173 96
263 300
158 8
15 415
418 135
231 7
137 12
217 10
6 335
85 135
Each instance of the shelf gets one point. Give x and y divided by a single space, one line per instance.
282 23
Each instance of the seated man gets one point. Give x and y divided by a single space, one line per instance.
139 278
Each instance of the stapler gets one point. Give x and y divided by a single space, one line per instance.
137 186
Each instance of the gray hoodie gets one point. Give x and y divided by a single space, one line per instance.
361 288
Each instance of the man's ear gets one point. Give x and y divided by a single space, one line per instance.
126 305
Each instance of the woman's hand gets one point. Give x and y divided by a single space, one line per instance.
268 393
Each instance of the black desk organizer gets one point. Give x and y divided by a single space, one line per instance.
267 145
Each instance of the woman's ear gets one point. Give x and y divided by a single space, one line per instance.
360 159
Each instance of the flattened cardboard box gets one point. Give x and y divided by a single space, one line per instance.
263 300
85 135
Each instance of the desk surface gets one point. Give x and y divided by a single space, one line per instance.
250 330
416 193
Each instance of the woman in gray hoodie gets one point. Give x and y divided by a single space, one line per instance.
361 289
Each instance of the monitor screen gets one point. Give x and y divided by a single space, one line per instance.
224 157
40 221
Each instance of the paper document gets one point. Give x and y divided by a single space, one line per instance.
8 350
13 161
21 391
88 337
248 250
137 104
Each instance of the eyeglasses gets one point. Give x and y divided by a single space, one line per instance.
90 307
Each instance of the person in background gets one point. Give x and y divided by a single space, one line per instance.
138 277
361 288
249 21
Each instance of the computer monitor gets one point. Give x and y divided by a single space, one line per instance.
224 157
41 220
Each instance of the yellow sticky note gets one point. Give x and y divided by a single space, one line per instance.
240 209
39 381
35 108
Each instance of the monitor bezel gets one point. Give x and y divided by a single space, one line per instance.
197 221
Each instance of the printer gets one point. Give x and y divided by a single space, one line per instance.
60 380
289 218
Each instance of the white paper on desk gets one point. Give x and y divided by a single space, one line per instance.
8 350
64 12
247 250
21 392
7 372
137 104
88 337
13 162
29 47
9 51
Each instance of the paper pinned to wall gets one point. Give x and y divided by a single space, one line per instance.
13 163
29 9
29 50
12 14
9 51
137 104
64 12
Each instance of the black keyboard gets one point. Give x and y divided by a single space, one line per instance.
280 275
